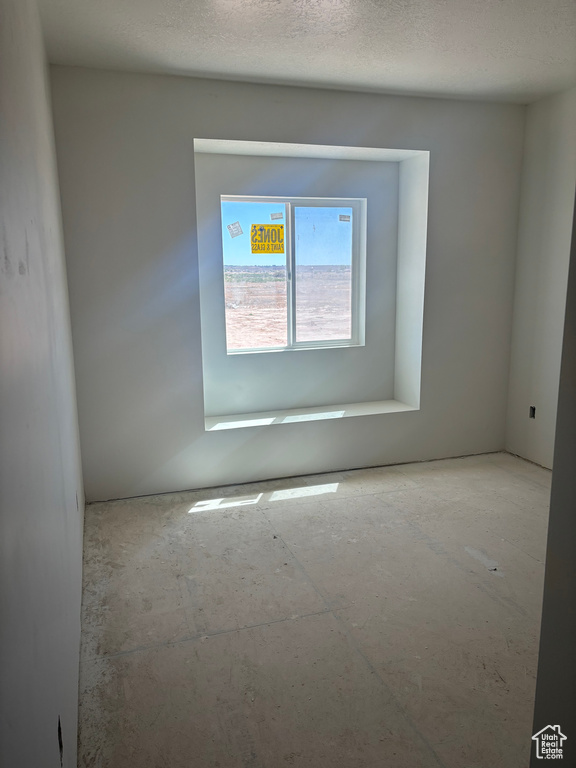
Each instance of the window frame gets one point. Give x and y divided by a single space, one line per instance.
357 269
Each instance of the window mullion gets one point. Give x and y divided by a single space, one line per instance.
355 266
290 266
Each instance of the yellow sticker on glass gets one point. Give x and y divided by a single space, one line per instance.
267 238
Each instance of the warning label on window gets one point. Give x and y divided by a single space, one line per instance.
267 238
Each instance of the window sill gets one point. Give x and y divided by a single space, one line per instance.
298 415
302 347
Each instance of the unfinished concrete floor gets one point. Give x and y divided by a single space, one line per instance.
383 617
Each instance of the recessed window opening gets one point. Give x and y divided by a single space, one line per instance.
293 271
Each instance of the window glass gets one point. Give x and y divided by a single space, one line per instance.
291 267
255 277
323 273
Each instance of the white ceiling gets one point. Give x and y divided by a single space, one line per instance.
513 50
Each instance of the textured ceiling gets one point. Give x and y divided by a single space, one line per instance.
516 50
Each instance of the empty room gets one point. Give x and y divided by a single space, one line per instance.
287 342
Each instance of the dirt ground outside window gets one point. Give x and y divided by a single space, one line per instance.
256 305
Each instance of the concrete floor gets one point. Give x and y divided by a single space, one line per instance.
384 617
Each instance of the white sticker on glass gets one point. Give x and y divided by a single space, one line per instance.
234 229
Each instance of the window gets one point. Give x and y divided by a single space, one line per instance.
293 272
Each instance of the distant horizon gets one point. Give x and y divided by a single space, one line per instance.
283 266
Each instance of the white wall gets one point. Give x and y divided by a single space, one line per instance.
545 224
41 520
125 157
